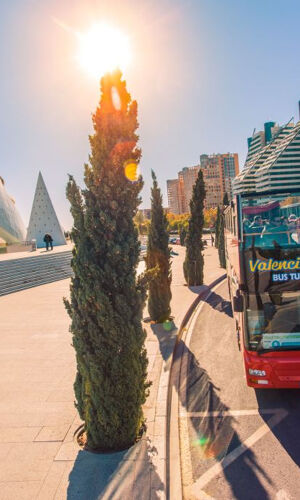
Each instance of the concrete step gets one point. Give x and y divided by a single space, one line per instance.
9 281
32 285
32 261
34 265
19 274
28 269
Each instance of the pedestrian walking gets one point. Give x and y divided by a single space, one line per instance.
212 239
49 241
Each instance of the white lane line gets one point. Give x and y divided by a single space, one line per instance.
282 495
228 413
237 452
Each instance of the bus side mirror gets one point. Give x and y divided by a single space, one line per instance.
238 303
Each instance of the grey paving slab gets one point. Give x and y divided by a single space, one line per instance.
51 483
52 433
19 490
33 451
4 450
18 434
23 470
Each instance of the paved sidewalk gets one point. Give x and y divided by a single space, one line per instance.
38 456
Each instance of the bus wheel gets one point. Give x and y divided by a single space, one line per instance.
238 335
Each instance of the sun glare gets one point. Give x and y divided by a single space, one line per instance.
102 49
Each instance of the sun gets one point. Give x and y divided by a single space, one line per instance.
102 49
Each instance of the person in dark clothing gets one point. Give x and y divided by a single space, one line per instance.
49 241
212 239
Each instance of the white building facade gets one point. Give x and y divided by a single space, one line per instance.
12 229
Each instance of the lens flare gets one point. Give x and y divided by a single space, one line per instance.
168 325
131 170
115 97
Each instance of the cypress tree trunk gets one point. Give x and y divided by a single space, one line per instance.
217 227
193 264
106 299
182 235
158 256
221 247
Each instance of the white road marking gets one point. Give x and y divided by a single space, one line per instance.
228 413
216 469
201 495
282 495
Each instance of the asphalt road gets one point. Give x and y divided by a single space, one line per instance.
236 442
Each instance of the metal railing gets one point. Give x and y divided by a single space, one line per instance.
289 233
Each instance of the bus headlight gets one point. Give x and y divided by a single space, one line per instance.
258 373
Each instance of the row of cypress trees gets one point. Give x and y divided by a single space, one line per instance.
106 295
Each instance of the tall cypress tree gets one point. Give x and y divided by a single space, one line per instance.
158 256
221 242
106 298
193 264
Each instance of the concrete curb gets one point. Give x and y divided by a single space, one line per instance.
173 466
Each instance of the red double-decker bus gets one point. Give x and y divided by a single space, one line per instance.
262 239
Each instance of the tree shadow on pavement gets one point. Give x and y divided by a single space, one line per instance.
287 430
213 299
166 335
216 436
129 474
220 304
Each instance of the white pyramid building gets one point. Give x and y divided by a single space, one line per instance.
12 228
43 218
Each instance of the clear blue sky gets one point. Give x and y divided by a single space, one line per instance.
204 73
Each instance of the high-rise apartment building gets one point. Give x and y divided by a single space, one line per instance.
173 196
261 138
212 175
187 178
273 165
218 170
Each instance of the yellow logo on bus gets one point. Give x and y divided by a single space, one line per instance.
273 265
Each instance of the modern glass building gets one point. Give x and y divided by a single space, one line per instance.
12 229
274 164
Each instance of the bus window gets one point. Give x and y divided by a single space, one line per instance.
273 320
271 221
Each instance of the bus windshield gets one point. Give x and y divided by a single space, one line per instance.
271 221
273 321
